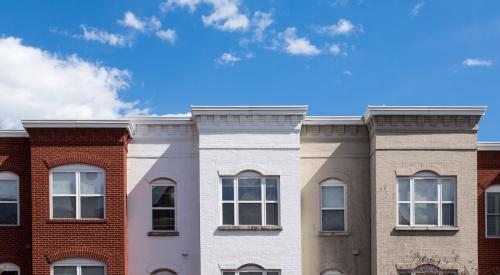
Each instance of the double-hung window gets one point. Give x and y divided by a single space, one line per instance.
163 205
426 200
250 199
77 192
9 199
78 267
9 269
333 206
493 212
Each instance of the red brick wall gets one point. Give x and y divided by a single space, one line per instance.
15 241
104 240
489 249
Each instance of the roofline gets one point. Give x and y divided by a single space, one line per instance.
334 120
13 133
249 110
488 146
66 123
162 120
424 110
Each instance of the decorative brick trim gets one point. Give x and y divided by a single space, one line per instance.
7 166
86 253
77 158
11 259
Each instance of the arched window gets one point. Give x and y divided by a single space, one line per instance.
426 199
250 199
9 198
493 211
78 266
9 269
333 206
428 269
163 203
332 272
251 270
78 192
163 271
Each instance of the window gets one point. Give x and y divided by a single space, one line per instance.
163 271
9 269
250 199
9 199
78 267
426 200
493 212
163 204
332 272
428 269
333 213
251 270
78 192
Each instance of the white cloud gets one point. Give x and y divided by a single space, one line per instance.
225 15
261 21
297 45
168 35
131 21
415 11
227 59
335 49
94 34
37 84
475 62
347 72
343 27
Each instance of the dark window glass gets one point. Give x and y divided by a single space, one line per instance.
448 214
163 196
8 213
92 270
163 219
404 214
92 207
64 207
332 220
272 214
271 189
64 270
250 213
228 213
227 189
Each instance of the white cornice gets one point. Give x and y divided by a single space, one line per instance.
424 110
13 133
334 120
162 120
488 146
249 110
116 123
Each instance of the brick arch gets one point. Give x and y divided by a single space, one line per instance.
493 271
77 158
77 253
11 259
10 167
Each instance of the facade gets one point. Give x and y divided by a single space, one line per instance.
252 190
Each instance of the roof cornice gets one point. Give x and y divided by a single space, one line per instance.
63 123
334 120
488 146
249 110
424 111
13 133
162 120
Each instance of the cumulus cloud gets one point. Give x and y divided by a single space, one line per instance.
131 21
104 37
168 35
335 49
297 45
415 11
148 25
342 27
475 62
261 21
37 84
227 59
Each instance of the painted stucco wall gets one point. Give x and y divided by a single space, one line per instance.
163 151
330 152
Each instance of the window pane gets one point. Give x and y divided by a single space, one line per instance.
92 183
425 189
92 207
271 213
228 213
493 201
250 213
64 270
163 219
493 225
163 196
227 189
10 273
64 207
271 189
249 189
448 189
426 213
8 213
228 273
92 270
63 183
332 196
404 214
250 273
8 190
404 189
332 220
448 214
273 273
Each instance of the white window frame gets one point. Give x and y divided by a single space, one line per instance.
251 268
5 175
78 263
77 169
263 200
164 182
439 202
11 267
332 182
491 189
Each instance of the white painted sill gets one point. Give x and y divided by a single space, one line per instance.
163 233
426 228
250 228
334 233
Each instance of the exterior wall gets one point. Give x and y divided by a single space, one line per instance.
326 153
400 152
56 239
488 175
268 144
163 151
15 241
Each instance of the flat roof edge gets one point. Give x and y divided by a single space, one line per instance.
334 120
13 133
223 110
424 110
114 123
488 146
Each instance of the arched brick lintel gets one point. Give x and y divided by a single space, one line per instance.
77 253
6 166
77 158
11 259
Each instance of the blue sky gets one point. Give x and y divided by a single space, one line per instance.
159 57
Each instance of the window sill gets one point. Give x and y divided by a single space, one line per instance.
250 228
426 228
86 221
334 234
163 233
